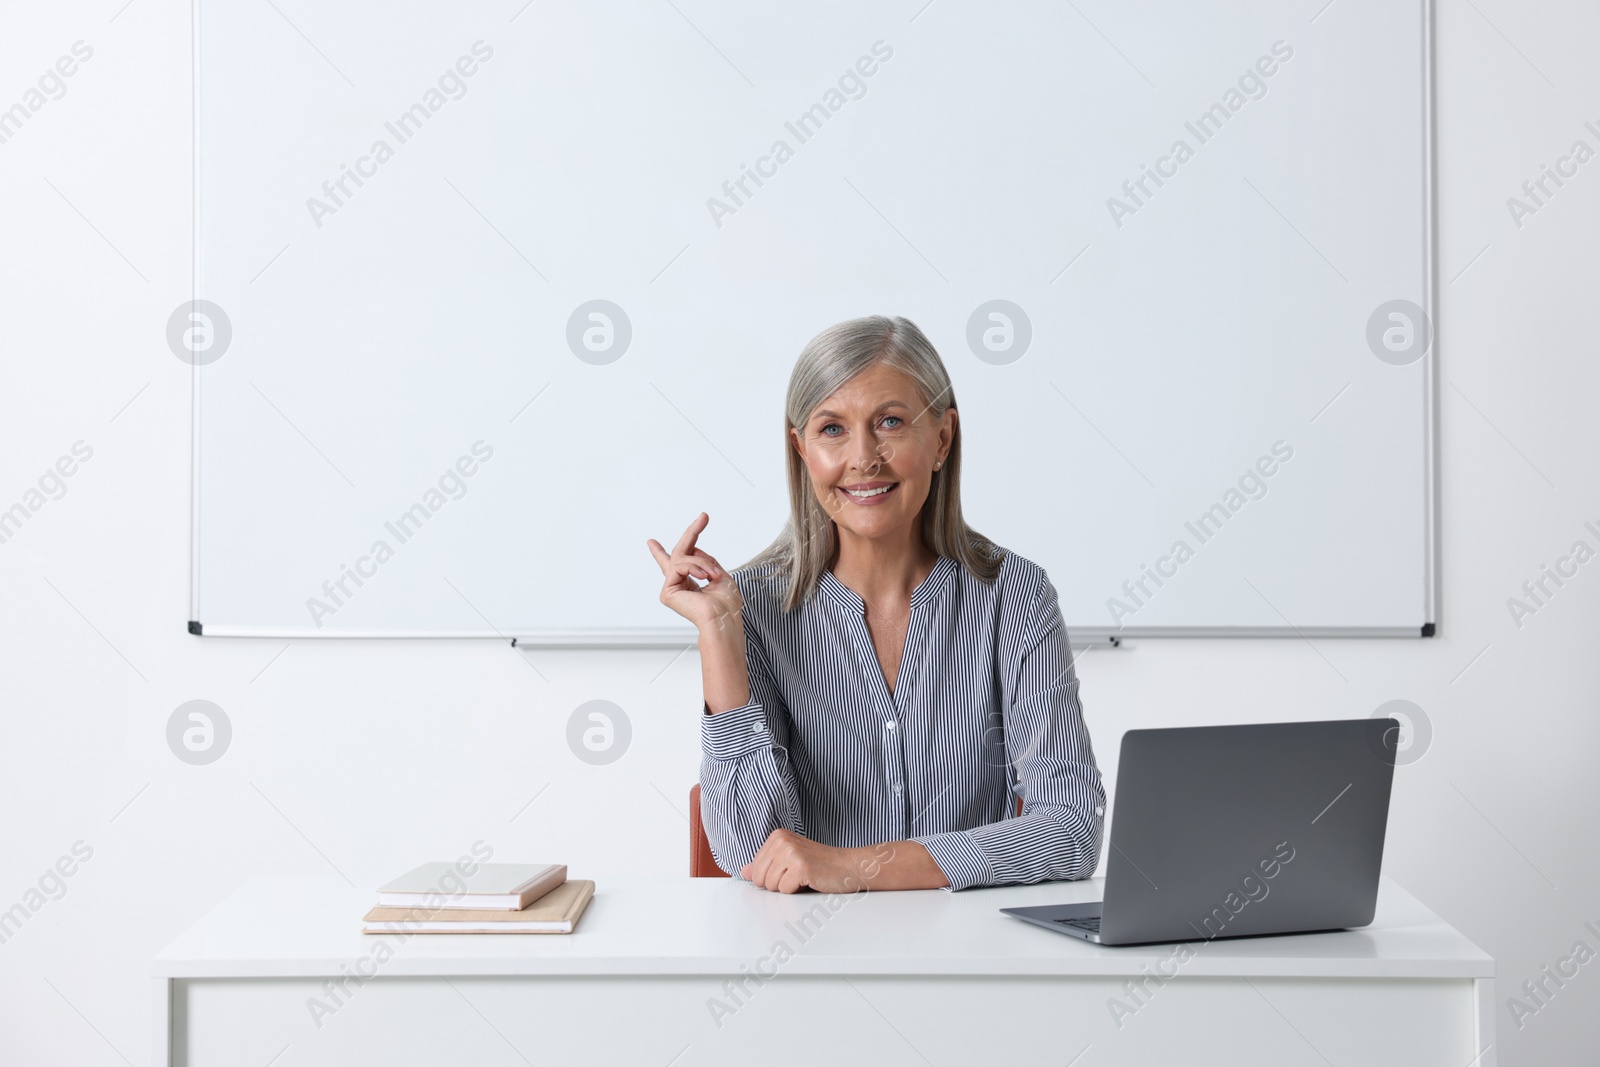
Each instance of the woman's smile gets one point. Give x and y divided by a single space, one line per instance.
869 494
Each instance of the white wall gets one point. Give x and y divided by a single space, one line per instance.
363 758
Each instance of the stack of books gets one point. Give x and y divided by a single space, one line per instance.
496 898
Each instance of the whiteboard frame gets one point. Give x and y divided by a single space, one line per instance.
677 637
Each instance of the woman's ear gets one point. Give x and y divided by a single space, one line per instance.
947 433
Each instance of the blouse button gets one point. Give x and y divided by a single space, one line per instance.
757 727
889 726
1099 809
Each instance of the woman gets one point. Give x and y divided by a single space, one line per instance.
882 677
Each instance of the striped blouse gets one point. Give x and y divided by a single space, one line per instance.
986 703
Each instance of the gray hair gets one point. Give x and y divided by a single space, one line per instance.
806 546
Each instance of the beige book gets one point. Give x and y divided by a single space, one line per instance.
557 912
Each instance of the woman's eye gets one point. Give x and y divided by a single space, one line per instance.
831 426
895 419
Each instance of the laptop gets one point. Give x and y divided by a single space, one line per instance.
1239 831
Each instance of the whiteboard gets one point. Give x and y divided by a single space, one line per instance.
495 292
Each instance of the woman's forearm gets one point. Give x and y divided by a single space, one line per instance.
725 675
900 865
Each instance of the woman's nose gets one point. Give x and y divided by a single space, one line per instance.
870 456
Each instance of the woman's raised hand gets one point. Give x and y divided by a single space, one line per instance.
710 607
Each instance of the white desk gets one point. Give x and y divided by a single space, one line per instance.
886 978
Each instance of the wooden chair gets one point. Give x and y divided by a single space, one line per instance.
702 864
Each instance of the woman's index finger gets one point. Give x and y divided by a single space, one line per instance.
686 542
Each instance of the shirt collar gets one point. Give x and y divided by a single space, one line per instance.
929 589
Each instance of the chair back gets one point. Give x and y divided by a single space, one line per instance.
702 864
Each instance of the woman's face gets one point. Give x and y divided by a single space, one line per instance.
871 448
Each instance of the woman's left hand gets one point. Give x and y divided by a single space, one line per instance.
788 863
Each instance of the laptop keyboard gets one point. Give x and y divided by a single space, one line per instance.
1091 924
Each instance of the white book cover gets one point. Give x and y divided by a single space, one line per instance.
509 886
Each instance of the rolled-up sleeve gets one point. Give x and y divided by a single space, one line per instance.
747 787
1057 835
